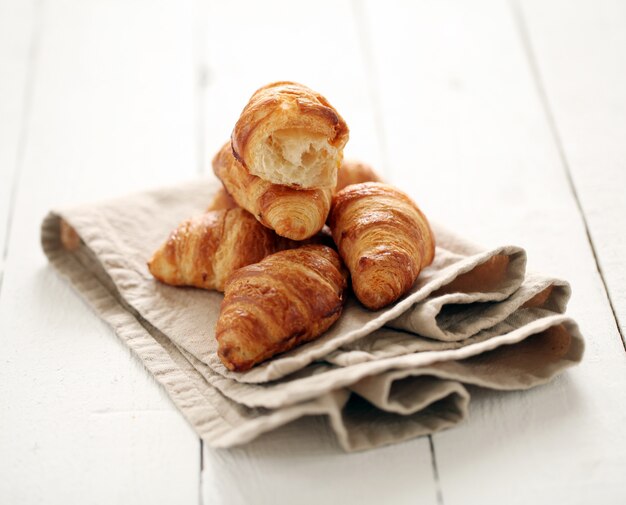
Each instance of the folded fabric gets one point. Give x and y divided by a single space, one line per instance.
454 316
380 377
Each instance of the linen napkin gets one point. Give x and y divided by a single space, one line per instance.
473 317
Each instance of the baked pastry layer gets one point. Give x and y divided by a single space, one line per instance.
205 250
292 213
289 298
290 135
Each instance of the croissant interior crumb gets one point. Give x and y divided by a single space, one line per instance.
296 156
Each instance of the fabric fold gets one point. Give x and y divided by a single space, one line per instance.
455 316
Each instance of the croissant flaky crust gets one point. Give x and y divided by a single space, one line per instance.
205 250
292 213
355 172
270 307
288 134
351 172
383 238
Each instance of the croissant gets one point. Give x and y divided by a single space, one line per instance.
288 134
351 172
383 238
355 172
292 213
288 298
205 250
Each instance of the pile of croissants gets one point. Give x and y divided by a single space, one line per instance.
263 240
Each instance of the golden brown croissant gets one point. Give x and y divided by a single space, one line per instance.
289 298
355 172
288 134
221 201
203 251
292 213
383 238
351 172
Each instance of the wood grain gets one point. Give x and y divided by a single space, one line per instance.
111 112
19 29
301 463
586 103
480 156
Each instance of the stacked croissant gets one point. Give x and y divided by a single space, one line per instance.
263 240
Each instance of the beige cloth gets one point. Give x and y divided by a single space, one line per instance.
473 317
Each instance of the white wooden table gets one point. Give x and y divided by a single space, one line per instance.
505 120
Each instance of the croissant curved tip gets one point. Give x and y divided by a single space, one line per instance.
231 354
373 285
293 229
224 356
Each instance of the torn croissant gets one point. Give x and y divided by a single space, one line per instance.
291 213
270 307
290 135
383 238
205 250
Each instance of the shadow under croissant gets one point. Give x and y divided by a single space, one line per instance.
484 277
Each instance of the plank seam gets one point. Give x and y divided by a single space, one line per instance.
200 486
358 9
433 459
522 28
22 139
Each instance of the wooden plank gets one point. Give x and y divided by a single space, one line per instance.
302 464
112 112
249 45
586 100
17 20
468 137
